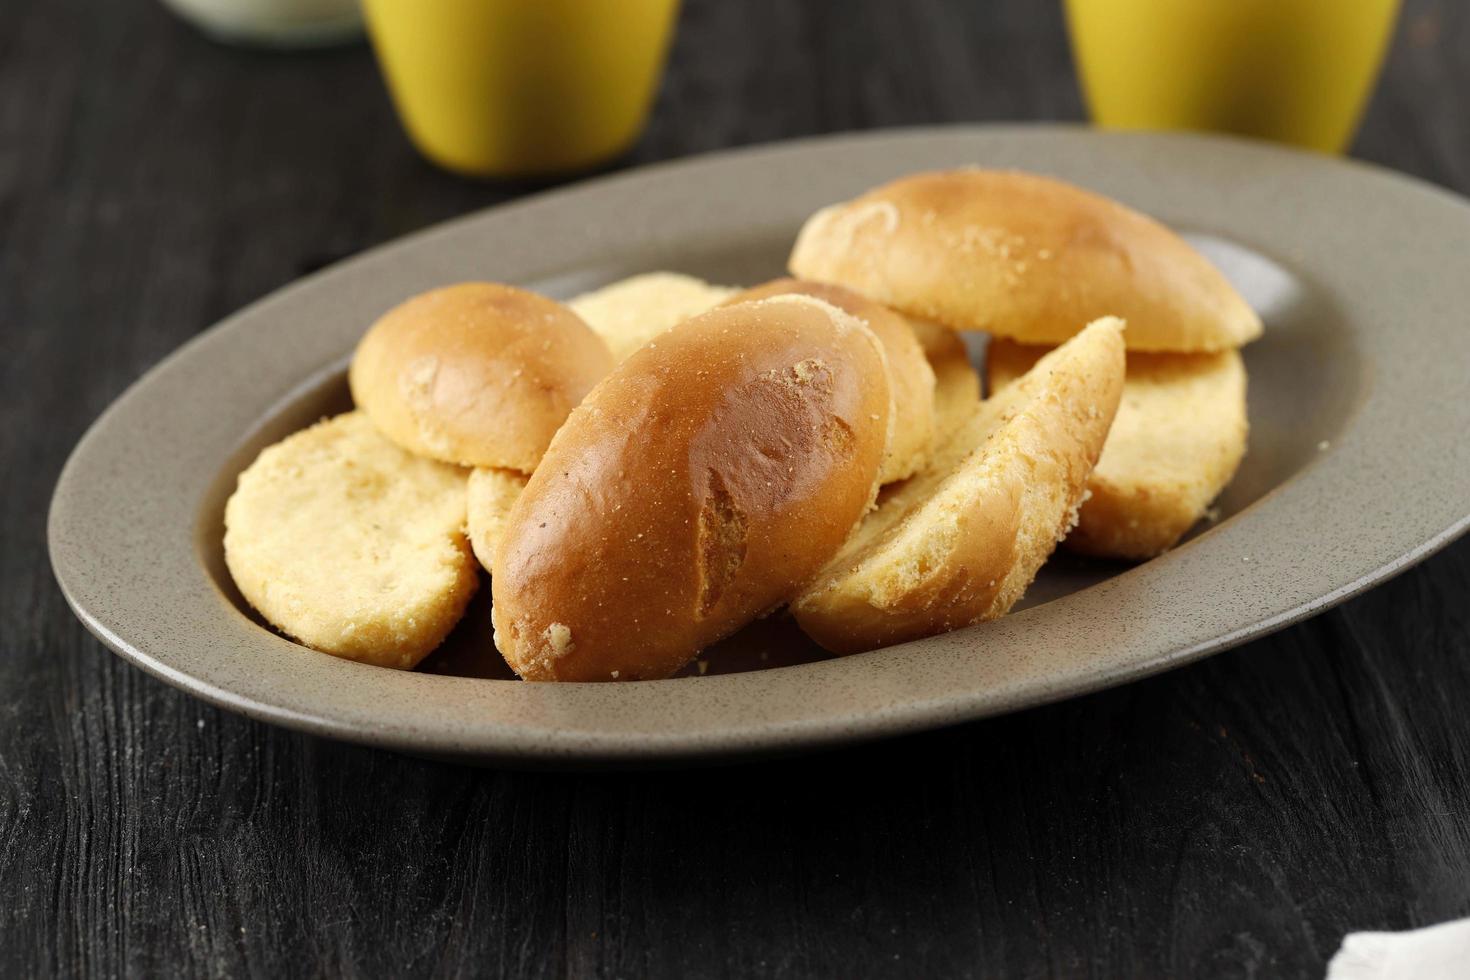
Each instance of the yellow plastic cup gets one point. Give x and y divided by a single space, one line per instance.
503 88
1297 71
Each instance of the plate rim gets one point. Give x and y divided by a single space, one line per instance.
552 746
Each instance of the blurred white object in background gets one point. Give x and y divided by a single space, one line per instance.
274 23
1439 952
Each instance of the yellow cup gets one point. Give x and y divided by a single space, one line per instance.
501 88
1298 71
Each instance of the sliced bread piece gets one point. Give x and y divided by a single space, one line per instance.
956 383
630 312
352 545
490 495
1179 436
960 542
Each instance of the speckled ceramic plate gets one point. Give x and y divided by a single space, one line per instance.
1359 462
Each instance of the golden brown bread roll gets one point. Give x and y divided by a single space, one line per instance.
1179 436
617 312
1025 257
626 314
478 374
960 542
698 487
623 312
909 374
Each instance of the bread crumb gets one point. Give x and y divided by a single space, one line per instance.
1323 446
558 639
807 369
615 674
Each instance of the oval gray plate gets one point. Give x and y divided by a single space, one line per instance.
1359 462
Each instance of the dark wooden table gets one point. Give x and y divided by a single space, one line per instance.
1233 818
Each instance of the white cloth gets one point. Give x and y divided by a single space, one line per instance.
1440 952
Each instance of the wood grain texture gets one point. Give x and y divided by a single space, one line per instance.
1234 818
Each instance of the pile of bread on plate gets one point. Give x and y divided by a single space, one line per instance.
653 465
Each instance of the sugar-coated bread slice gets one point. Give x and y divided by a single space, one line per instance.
960 542
1179 436
478 374
909 373
956 383
698 487
630 312
1025 257
490 496
352 545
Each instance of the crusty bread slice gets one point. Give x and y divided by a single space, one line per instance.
490 495
1178 438
960 542
1022 256
630 312
352 545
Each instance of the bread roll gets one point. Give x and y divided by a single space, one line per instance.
490 496
352 545
1024 257
960 542
629 313
1179 436
492 492
698 487
909 374
956 383
477 374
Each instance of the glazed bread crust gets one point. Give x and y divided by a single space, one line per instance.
698 487
477 374
626 314
909 373
1025 257
946 381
